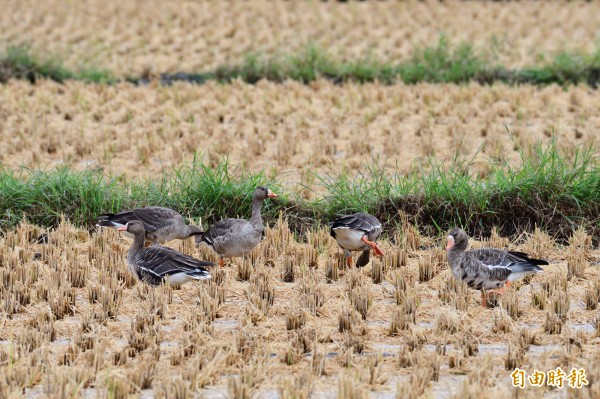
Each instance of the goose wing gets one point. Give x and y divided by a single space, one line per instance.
358 221
499 265
492 257
153 217
220 229
525 257
160 262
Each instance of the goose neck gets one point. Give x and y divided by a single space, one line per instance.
138 242
454 255
256 218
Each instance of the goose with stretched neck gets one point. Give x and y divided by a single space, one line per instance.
231 238
160 224
156 264
357 232
487 269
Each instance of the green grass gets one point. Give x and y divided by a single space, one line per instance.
443 63
193 190
20 62
440 64
307 66
549 190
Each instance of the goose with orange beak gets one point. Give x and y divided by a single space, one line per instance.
487 269
231 238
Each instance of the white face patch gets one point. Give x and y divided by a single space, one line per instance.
450 243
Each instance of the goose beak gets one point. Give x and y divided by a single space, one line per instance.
450 243
271 194
122 228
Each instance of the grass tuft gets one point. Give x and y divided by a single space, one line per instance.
443 63
21 62
438 64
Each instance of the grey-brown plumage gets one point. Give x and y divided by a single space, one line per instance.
487 268
157 264
237 237
357 232
160 224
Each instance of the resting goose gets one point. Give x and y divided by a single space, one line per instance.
237 237
487 268
161 224
157 264
357 232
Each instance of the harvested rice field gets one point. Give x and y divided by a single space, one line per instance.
291 322
289 128
130 37
516 165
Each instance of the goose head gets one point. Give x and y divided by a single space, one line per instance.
457 238
134 227
262 193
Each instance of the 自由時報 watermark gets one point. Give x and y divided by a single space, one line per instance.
555 378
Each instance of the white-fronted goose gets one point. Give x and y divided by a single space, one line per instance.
160 224
237 237
487 268
157 264
357 232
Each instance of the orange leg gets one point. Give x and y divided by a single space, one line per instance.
483 300
376 249
349 261
221 262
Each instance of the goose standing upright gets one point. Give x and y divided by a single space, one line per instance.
487 268
237 237
157 264
357 232
160 224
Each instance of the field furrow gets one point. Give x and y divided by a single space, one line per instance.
131 37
